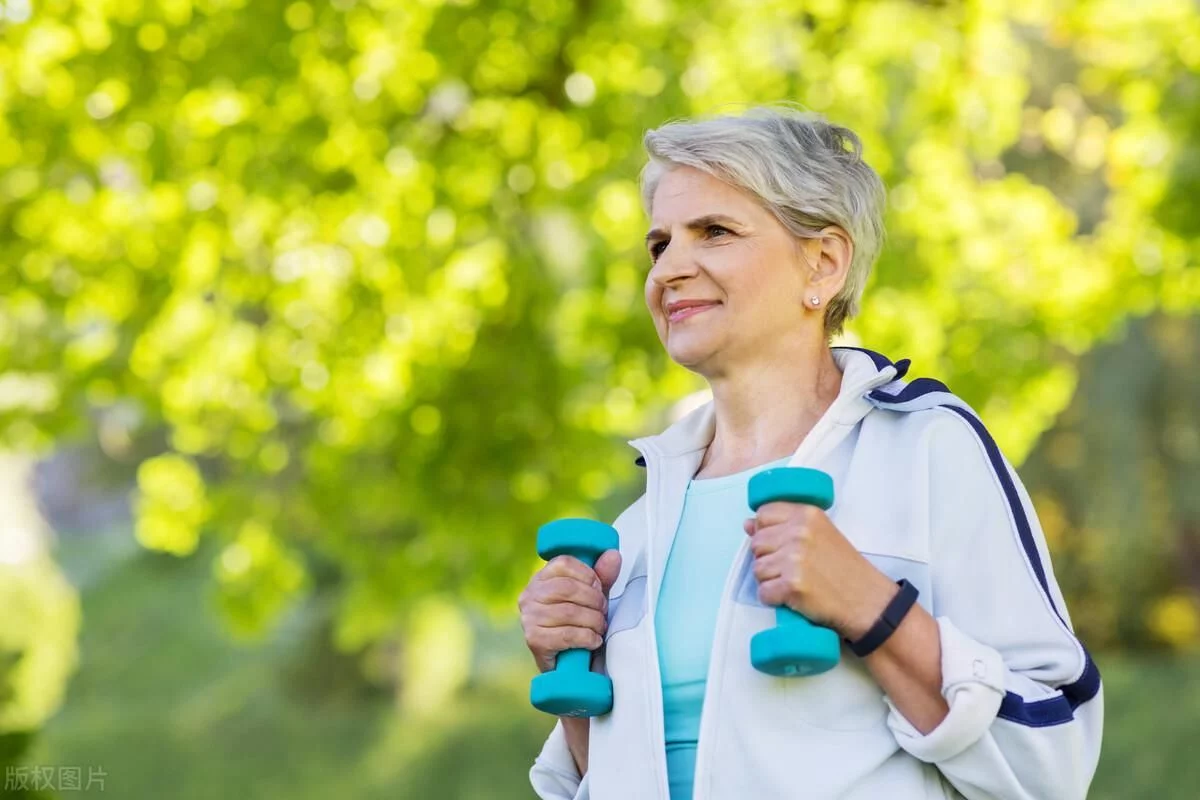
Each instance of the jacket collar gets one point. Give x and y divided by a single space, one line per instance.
863 371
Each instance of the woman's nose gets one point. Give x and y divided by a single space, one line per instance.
674 262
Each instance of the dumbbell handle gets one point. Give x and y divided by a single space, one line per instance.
577 658
767 488
787 616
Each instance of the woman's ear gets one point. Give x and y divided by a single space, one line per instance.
829 255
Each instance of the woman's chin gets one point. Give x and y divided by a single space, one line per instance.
690 357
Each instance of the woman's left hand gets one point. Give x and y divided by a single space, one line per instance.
803 561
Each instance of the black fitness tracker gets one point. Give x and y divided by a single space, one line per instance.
887 622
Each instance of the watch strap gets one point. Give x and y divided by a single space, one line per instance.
887 623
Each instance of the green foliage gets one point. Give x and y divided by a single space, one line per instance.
372 268
37 642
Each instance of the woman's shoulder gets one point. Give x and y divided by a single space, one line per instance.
924 421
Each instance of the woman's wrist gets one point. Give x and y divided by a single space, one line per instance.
870 604
891 618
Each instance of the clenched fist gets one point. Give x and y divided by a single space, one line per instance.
803 561
565 606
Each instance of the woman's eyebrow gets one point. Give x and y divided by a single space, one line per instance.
697 224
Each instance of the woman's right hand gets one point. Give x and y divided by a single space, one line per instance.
565 604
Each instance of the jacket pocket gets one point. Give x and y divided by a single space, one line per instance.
626 610
897 567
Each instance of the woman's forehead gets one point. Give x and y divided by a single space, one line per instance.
685 193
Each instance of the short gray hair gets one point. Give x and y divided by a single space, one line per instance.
805 170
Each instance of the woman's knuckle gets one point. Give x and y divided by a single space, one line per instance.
575 592
561 566
554 588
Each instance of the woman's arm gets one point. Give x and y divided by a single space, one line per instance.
576 731
1026 706
555 775
908 665
1020 711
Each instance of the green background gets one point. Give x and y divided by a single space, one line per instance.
345 298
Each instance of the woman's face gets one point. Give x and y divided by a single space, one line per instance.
711 242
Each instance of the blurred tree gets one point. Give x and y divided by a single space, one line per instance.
37 641
38 626
373 266
1115 483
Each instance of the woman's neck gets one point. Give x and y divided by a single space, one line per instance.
764 412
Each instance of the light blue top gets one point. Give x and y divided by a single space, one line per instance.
709 535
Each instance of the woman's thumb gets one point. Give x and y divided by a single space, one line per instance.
608 566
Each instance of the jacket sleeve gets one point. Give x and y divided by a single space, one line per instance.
554 775
1026 706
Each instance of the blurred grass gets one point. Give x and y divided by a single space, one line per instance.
168 706
1151 728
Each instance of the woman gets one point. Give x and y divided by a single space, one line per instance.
764 228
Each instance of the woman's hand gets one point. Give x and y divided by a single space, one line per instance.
565 604
803 561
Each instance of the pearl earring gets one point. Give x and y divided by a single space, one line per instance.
816 301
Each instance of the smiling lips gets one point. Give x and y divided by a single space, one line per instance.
687 308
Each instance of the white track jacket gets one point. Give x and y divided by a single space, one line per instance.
924 493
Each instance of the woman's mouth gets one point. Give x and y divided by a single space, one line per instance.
691 311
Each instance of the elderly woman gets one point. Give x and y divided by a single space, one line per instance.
764 228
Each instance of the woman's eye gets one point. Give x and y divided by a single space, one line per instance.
656 250
717 230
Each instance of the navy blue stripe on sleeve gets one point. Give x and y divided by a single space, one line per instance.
1053 710
1014 501
1014 708
1060 708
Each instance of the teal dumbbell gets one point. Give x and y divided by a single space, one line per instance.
794 646
571 689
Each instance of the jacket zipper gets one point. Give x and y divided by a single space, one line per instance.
702 776
716 664
654 709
